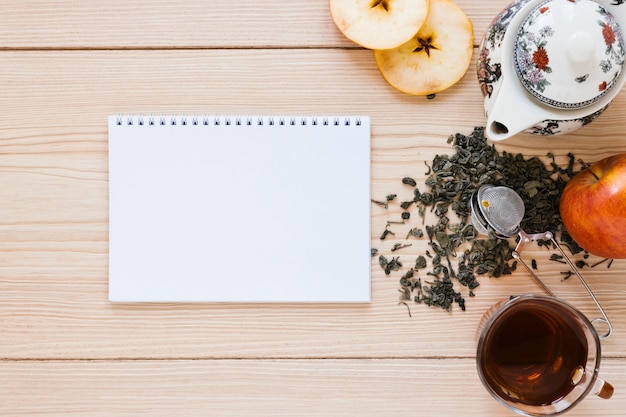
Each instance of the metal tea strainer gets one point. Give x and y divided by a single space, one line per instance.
500 210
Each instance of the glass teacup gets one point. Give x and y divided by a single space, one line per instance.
539 355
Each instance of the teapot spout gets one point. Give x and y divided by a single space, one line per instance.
507 118
502 129
498 131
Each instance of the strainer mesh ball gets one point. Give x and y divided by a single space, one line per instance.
502 208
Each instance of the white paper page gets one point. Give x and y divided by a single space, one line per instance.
242 213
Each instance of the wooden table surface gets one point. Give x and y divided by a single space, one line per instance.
66 350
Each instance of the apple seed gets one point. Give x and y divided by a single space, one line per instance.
380 3
425 45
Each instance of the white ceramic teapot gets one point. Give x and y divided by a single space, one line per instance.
551 66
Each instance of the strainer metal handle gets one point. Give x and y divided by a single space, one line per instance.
500 209
525 238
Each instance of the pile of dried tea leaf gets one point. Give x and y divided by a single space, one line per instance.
456 253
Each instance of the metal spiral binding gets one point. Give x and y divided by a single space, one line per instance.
235 120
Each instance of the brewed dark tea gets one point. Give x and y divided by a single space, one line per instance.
533 353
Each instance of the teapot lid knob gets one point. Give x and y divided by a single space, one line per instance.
569 53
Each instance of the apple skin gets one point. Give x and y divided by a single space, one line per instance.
593 210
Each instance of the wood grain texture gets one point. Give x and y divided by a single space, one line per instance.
54 164
55 211
65 350
398 387
166 24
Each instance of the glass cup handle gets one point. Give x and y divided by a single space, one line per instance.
603 389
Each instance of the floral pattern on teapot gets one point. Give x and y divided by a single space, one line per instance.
489 69
556 127
533 58
489 62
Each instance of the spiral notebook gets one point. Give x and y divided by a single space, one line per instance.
239 209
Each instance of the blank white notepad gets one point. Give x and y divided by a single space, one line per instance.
239 209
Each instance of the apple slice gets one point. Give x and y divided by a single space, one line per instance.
379 24
436 57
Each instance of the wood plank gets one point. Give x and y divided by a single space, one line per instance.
65 350
184 24
53 159
269 387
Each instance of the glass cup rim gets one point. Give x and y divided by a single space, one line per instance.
502 308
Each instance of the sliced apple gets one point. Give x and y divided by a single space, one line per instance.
379 24
436 57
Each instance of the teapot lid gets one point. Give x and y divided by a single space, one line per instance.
569 53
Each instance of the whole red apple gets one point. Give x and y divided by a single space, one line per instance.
593 207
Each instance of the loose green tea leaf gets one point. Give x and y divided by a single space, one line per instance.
599 262
386 233
557 258
459 253
393 265
398 246
409 181
441 293
420 262
381 203
406 204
